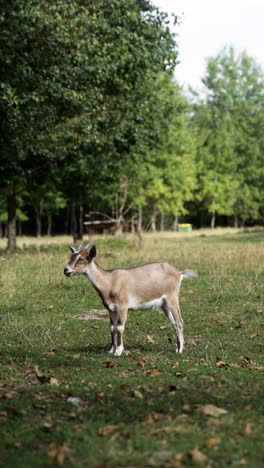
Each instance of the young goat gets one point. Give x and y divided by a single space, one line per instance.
149 286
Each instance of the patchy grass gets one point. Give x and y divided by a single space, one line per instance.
65 401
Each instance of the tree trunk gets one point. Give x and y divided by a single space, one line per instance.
176 222
38 221
119 227
213 220
235 221
133 220
67 219
49 224
139 226
73 223
11 230
162 222
153 219
81 222
1 230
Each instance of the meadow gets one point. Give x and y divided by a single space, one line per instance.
64 401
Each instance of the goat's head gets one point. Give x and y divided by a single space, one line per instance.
80 260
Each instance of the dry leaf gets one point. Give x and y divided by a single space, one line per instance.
175 365
142 363
197 456
150 339
106 430
175 462
212 442
212 410
11 394
163 328
110 364
137 394
154 372
160 430
245 361
58 453
153 417
54 381
247 430
221 364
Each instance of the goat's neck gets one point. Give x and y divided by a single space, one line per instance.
96 275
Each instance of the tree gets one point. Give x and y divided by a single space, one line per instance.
76 81
230 142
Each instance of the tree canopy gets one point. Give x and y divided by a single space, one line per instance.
92 118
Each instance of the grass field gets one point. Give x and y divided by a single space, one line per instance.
64 401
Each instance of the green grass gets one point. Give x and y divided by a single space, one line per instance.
147 408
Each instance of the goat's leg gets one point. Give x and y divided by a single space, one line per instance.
172 310
114 338
118 319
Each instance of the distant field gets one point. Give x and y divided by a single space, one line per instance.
64 401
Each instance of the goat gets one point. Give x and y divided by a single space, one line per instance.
148 286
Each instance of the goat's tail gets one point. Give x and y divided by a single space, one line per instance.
189 274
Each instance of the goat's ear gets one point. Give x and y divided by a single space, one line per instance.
92 253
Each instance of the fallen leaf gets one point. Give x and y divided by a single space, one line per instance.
197 456
106 430
175 462
153 417
137 394
11 394
154 372
54 382
221 364
245 361
175 365
240 324
48 426
110 364
212 442
212 410
163 328
58 453
150 339
160 430
142 363
74 400
247 430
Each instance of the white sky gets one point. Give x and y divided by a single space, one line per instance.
207 26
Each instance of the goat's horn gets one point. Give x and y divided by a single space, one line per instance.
71 247
80 246
87 246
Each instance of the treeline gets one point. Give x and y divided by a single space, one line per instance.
93 121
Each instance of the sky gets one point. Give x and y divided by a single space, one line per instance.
207 26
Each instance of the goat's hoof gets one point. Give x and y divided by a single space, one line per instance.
119 351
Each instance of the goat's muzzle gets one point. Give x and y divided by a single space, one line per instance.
67 272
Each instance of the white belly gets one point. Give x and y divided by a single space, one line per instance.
134 304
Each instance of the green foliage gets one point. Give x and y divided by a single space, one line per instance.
230 142
76 80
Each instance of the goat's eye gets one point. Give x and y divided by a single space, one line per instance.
80 260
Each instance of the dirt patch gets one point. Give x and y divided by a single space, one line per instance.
94 314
